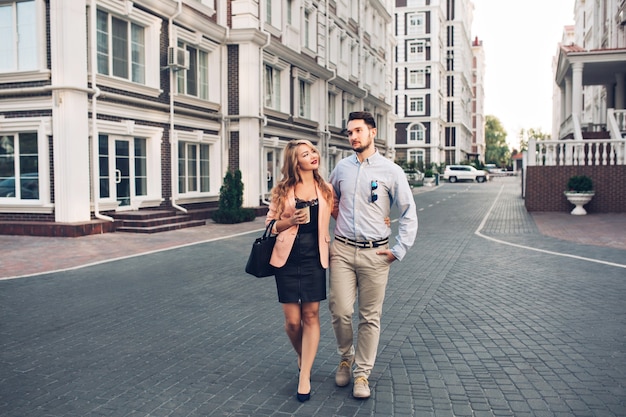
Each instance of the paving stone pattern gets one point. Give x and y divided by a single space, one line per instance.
471 327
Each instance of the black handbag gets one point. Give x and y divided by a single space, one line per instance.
259 259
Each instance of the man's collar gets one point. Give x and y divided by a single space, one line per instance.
370 159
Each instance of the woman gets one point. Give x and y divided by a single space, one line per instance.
301 251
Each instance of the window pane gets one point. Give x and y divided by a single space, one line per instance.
138 49
27 35
192 72
192 170
7 166
103 43
203 75
7 46
103 160
120 47
141 170
204 169
182 173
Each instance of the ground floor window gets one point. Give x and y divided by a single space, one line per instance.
194 173
19 166
416 156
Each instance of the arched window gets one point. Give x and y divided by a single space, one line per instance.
417 133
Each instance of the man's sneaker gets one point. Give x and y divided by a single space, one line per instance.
361 388
343 375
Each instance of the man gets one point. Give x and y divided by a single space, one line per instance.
366 185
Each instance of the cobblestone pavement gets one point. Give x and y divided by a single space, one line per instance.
488 315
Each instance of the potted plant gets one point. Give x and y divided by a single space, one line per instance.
579 192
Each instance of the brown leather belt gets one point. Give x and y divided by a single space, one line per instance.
362 244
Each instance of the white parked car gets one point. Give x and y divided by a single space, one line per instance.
454 173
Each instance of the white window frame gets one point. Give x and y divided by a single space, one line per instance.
43 128
214 74
271 97
416 50
416 24
153 136
152 29
272 173
200 138
416 105
416 133
333 45
284 78
274 16
333 101
415 155
309 28
307 85
39 71
304 98
354 59
416 78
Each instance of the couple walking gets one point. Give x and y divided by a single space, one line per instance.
359 195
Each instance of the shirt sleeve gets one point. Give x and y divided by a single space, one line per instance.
407 223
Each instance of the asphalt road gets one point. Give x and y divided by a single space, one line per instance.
484 317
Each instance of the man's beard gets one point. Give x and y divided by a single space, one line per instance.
362 147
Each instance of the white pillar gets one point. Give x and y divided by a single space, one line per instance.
250 139
70 127
567 103
577 89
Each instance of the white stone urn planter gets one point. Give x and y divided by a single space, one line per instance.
579 199
429 181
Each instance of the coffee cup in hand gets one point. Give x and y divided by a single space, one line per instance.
302 205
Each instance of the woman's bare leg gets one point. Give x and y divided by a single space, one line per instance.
293 327
310 313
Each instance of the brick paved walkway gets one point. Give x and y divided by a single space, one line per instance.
480 320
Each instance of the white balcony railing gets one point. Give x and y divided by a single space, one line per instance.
577 152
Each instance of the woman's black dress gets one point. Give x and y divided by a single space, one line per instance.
302 278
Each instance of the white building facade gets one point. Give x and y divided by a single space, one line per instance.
434 81
591 73
111 106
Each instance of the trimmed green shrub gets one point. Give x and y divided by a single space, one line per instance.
231 200
580 184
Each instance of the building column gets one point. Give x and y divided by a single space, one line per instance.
250 133
563 115
70 126
577 89
567 103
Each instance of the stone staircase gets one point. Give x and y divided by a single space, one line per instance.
154 221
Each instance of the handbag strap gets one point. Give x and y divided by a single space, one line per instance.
268 229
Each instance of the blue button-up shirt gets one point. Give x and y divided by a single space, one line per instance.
359 218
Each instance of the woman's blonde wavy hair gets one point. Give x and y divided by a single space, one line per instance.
291 175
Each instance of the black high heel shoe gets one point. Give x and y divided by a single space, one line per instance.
303 397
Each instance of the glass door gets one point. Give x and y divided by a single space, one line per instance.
123 170
272 170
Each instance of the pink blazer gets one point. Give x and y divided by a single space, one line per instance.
286 238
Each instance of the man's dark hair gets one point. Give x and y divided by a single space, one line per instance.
365 116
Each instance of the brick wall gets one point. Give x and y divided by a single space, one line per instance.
545 186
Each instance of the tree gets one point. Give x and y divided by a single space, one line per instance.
525 135
496 149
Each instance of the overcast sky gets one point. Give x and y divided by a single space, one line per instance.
520 39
